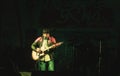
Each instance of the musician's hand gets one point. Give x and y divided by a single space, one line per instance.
38 49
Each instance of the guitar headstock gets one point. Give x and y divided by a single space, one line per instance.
59 43
56 44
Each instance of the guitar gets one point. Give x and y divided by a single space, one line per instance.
41 53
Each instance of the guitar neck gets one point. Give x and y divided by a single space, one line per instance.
50 47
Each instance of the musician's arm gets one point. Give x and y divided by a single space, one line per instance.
33 46
54 41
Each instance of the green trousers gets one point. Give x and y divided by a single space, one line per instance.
46 66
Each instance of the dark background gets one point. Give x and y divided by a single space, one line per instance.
89 29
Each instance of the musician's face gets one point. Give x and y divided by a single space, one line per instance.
46 34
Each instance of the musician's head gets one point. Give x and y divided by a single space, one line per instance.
46 32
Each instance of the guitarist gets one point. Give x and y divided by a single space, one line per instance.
45 62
